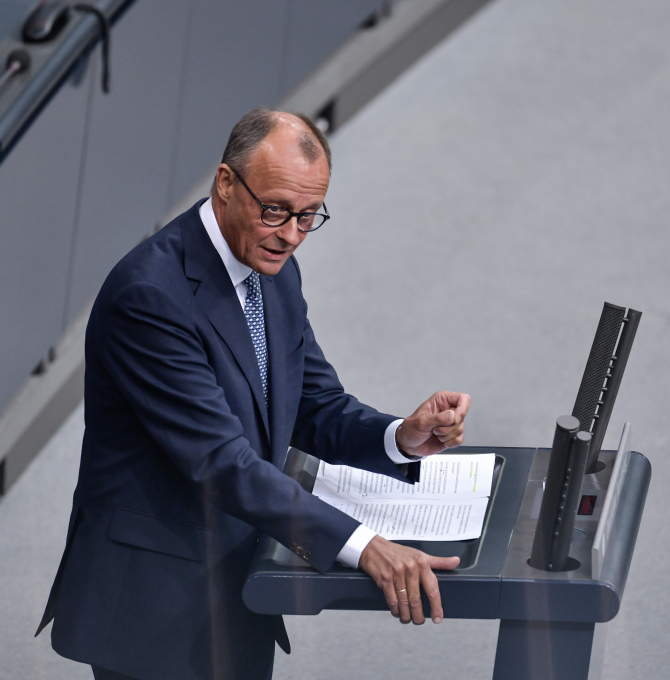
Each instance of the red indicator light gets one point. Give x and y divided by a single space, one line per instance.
587 505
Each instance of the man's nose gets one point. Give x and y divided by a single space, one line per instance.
290 233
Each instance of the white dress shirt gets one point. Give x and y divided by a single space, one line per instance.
238 272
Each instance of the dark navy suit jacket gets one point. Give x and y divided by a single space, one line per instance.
181 464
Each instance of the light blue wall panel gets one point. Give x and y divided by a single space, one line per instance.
131 142
38 189
316 29
234 63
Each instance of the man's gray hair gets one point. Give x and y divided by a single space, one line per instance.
256 125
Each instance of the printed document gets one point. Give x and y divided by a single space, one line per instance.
448 504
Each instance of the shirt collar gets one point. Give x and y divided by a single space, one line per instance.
237 271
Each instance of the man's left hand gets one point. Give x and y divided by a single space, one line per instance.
436 425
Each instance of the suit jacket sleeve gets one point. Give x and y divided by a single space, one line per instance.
154 356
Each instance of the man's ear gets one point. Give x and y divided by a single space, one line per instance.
225 178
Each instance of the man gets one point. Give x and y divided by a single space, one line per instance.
201 369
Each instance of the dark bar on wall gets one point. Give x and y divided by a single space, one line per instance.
50 67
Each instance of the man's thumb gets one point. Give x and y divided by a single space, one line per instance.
442 419
444 563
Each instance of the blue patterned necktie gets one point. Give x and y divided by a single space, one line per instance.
253 312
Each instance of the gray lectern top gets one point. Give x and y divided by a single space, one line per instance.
494 580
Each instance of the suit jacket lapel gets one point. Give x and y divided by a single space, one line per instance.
217 298
275 332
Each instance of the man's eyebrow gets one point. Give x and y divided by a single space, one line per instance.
312 207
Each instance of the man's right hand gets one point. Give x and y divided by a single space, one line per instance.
401 572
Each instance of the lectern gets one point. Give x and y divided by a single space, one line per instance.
552 624
553 615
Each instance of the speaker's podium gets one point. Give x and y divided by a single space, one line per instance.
557 540
551 623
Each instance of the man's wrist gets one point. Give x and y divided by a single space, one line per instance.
402 452
391 444
352 550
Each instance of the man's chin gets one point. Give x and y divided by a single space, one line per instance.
270 267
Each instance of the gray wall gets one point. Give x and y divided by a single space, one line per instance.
131 136
95 173
38 200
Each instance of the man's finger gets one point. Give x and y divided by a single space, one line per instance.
391 599
432 590
403 601
414 596
453 443
455 433
442 419
459 402
463 405
455 400
444 431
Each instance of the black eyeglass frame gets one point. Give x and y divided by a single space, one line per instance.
291 214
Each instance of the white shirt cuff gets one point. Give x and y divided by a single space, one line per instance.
353 549
391 447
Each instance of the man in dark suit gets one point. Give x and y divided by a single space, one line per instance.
201 370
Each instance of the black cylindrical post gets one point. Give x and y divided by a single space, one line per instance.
569 502
555 492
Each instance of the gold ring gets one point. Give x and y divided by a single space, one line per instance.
404 590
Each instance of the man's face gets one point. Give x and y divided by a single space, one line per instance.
279 174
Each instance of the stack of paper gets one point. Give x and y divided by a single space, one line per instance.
448 504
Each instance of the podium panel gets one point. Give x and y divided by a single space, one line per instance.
547 618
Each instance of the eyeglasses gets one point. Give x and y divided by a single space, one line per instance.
276 215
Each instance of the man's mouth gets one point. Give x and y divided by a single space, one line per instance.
274 254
